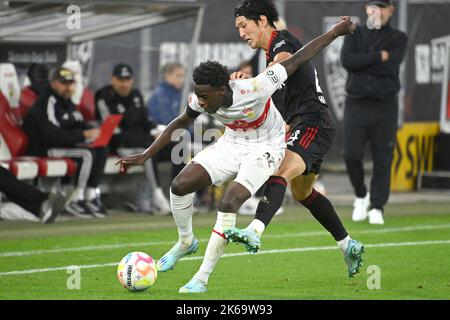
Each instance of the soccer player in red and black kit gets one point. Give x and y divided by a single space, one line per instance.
311 132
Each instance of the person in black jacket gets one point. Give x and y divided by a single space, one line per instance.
55 128
135 130
372 56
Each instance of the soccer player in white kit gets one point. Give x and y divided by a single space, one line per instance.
249 152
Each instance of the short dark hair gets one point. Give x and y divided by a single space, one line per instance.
211 73
252 9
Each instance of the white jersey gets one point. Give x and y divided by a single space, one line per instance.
252 118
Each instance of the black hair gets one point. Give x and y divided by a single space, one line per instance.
252 9
211 73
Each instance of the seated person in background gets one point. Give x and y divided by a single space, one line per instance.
134 132
164 106
55 128
38 75
34 205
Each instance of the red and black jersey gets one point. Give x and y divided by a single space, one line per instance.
302 99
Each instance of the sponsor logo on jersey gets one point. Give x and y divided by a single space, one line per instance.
279 44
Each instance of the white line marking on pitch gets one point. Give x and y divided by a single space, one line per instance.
305 249
268 236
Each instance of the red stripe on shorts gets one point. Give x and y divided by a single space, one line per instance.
313 135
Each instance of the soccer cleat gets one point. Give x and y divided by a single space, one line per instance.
246 237
79 209
168 261
193 286
376 216
97 208
360 207
52 207
353 257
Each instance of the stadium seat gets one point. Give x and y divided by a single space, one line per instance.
27 98
13 144
87 105
10 88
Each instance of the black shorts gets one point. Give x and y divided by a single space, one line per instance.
311 143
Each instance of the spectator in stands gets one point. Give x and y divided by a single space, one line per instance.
135 130
55 128
164 106
34 204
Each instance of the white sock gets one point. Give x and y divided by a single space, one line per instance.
216 245
90 193
343 244
257 226
182 211
78 194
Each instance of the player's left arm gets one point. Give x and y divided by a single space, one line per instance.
292 64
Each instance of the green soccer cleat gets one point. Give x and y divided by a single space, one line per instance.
353 257
246 237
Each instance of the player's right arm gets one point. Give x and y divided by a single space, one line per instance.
184 121
345 26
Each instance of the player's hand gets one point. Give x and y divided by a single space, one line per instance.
287 127
345 26
239 75
129 161
384 55
91 133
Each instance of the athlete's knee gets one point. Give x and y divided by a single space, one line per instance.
181 185
231 202
291 171
301 194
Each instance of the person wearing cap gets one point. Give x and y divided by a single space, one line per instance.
55 128
134 133
372 56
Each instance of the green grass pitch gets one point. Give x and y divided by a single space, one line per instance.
299 259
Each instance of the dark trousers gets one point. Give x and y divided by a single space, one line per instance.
91 163
374 122
25 195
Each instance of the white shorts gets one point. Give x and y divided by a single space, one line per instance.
250 166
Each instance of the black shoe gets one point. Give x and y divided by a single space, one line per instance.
52 207
97 208
79 209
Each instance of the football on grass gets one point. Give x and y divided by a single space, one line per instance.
137 271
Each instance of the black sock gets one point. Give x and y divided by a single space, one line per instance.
322 209
271 200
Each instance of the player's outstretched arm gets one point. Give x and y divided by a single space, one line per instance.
182 121
345 26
